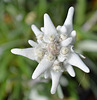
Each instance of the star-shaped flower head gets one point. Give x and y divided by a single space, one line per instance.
54 50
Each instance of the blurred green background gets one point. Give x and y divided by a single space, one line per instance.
16 18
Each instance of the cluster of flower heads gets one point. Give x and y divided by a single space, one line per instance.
54 50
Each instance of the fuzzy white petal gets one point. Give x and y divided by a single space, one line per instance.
48 25
70 70
63 29
32 43
61 58
60 92
75 60
58 27
42 29
73 35
42 67
46 74
66 42
46 39
28 52
36 30
68 21
55 75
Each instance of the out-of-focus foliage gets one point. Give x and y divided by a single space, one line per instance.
16 17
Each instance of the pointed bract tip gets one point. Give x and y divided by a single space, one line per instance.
87 70
46 15
32 26
70 13
29 41
42 29
33 76
73 33
14 51
71 8
53 92
73 75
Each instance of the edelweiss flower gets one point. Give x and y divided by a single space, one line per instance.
54 50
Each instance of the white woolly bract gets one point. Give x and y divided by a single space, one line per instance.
53 50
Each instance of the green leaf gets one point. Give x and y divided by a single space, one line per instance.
2 90
82 78
25 69
80 12
4 67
